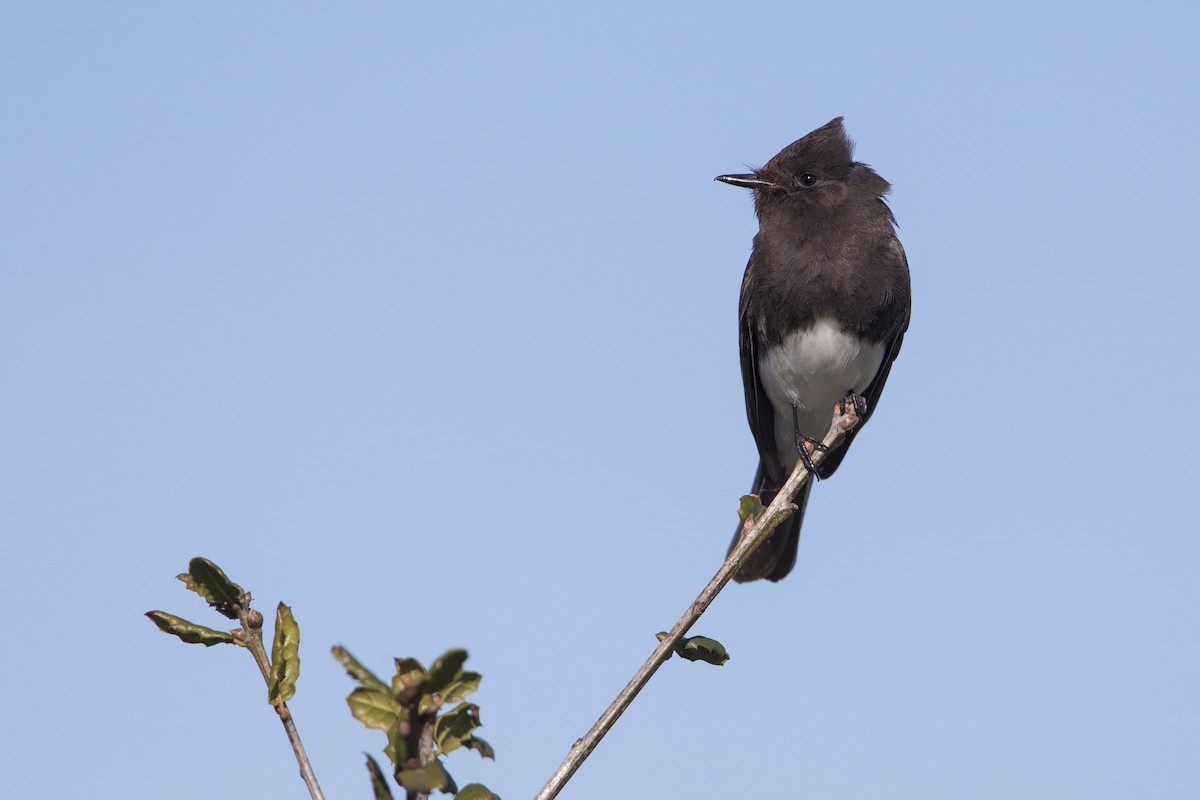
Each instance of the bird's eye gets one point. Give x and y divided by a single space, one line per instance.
808 179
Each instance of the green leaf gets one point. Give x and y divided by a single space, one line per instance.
189 632
378 780
357 671
410 674
480 746
373 708
750 506
459 690
476 791
208 580
444 670
285 655
429 704
454 727
396 750
427 778
701 648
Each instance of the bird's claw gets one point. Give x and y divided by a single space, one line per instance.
805 447
853 401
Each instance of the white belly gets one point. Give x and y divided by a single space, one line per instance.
814 368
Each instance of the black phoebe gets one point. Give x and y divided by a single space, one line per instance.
825 303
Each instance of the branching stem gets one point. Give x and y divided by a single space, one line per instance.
254 643
753 534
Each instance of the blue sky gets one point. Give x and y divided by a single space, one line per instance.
423 320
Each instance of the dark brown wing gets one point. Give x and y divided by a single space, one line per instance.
834 458
759 411
902 305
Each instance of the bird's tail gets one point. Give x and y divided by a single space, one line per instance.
775 557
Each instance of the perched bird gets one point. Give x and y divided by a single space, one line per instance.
825 303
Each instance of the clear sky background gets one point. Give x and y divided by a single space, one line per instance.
423 320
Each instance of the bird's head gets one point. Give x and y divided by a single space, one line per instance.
811 174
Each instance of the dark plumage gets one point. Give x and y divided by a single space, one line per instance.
824 306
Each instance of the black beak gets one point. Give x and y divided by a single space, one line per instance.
750 181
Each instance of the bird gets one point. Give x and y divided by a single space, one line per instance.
825 303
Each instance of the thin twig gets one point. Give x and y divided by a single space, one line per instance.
427 747
252 624
754 533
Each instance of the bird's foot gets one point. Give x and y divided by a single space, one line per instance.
853 401
805 447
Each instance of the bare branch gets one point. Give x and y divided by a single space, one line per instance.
252 621
754 533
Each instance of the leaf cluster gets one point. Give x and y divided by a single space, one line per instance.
212 584
425 715
230 600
